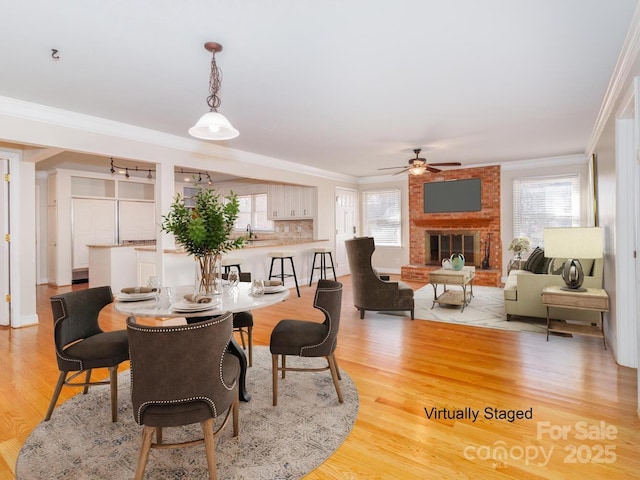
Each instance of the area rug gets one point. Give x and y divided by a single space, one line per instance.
486 309
283 442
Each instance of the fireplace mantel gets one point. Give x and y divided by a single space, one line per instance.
453 223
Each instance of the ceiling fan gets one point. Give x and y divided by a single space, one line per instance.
417 166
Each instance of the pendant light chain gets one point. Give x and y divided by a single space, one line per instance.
215 79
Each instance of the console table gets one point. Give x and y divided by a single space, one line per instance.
446 277
594 299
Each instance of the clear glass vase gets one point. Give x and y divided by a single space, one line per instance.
208 275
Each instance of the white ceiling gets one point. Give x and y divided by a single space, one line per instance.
348 86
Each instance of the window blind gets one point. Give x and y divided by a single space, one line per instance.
381 216
540 202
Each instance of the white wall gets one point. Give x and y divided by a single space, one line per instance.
42 234
615 142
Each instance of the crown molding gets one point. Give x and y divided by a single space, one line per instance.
621 72
88 123
548 162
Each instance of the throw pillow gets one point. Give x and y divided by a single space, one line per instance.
556 265
536 263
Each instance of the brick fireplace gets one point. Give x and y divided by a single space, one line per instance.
434 236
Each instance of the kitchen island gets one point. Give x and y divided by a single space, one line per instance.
125 266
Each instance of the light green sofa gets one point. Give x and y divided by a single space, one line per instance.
523 293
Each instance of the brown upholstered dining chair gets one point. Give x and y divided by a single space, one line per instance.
310 339
371 291
182 374
81 345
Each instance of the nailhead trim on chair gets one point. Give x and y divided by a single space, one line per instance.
181 328
176 402
64 315
325 312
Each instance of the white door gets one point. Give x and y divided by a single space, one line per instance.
94 223
346 225
5 318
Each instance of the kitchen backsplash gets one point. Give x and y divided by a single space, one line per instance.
293 228
285 229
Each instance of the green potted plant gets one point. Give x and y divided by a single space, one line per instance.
204 231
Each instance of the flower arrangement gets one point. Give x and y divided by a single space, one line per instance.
519 245
205 231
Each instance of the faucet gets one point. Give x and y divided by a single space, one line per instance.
251 235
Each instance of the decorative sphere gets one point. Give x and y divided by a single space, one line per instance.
457 261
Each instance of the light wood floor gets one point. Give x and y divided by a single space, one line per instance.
402 367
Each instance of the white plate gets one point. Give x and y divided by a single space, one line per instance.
135 297
277 289
183 306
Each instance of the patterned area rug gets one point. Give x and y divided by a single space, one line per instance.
486 309
283 442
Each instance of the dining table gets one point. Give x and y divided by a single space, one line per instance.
238 298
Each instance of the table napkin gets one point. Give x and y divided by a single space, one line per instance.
194 298
272 283
138 290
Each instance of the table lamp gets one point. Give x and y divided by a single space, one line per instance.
573 243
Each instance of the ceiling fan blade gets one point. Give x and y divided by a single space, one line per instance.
402 171
391 168
447 164
431 169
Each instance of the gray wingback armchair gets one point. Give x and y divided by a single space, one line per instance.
370 290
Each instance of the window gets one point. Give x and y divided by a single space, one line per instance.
253 211
381 214
540 202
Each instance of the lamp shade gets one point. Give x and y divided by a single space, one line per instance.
573 242
213 126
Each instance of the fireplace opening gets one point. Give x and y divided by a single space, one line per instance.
440 245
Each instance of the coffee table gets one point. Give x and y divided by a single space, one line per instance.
460 278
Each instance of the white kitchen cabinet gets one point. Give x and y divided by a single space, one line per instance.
94 223
309 200
275 202
290 202
136 221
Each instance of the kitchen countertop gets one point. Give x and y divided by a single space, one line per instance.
120 245
272 242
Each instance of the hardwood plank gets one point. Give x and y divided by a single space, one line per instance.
400 368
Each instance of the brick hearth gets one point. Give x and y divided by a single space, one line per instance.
486 221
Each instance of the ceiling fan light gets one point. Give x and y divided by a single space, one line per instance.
417 170
213 126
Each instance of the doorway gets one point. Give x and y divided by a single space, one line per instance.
346 225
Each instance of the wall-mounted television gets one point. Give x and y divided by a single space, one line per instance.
453 196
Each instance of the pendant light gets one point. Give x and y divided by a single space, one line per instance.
213 125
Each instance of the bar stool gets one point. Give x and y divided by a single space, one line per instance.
228 262
323 252
282 256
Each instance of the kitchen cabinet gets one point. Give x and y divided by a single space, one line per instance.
136 221
94 223
291 202
82 209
